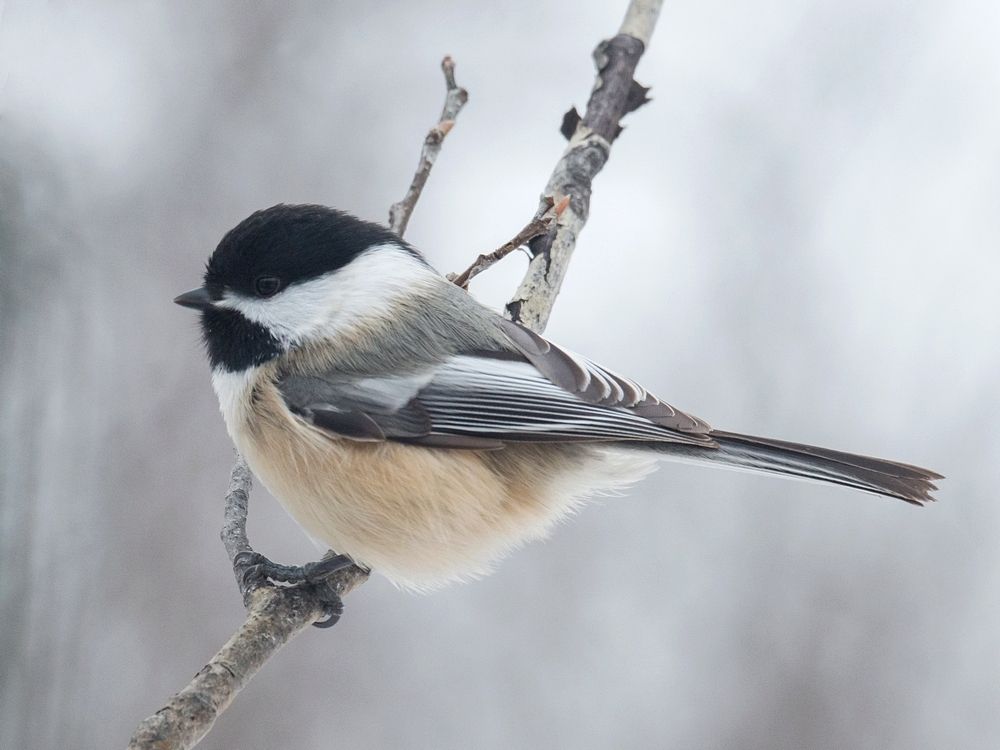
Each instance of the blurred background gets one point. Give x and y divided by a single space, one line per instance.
805 217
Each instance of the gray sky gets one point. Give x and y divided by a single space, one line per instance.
798 237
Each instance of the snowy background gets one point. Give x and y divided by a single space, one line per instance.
799 237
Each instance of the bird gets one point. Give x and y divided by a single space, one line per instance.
419 433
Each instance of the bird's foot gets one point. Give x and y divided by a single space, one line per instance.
256 570
256 567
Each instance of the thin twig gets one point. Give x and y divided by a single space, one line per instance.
455 99
539 225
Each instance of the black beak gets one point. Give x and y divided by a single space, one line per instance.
197 299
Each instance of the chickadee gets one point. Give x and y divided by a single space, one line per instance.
406 425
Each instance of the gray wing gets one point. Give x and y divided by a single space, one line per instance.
534 392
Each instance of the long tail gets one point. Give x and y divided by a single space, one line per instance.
875 475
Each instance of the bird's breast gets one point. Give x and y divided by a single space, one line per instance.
420 516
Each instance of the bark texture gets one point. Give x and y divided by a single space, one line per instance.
614 95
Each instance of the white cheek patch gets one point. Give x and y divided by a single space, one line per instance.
339 300
294 313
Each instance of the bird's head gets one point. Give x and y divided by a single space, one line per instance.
291 274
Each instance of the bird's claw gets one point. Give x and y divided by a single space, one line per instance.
256 567
255 570
332 604
249 569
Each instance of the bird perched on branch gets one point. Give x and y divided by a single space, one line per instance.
413 429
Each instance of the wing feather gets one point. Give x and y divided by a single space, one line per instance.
513 401
481 400
563 368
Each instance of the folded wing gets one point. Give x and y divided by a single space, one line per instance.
485 399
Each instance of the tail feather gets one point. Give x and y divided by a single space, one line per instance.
874 475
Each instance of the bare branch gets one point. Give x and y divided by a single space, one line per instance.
234 529
455 99
614 95
538 226
275 615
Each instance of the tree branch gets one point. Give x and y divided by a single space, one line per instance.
276 614
614 95
538 226
455 99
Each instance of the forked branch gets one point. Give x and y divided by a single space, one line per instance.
537 227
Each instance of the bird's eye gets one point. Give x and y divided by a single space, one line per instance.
266 286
